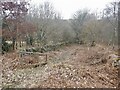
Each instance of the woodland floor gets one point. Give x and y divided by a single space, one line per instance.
72 66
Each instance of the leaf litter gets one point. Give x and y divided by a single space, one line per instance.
71 67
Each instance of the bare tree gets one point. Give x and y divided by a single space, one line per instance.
111 13
79 18
43 17
13 13
118 22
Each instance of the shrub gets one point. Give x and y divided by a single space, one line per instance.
5 46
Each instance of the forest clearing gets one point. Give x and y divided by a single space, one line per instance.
42 46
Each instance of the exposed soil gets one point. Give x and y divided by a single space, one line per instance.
72 66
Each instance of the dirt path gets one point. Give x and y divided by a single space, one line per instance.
72 66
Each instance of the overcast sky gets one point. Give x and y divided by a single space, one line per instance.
68 7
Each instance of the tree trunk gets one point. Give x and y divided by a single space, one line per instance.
16 44
13 43
20 43
118 23
119 40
